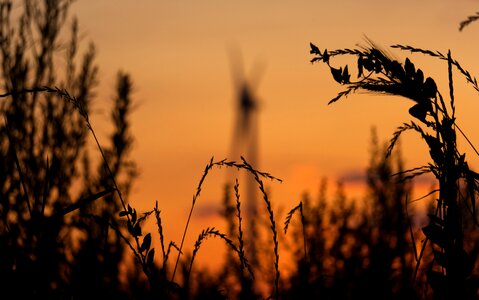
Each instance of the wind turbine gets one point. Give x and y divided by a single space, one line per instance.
245 140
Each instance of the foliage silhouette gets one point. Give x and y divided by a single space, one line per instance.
44 159
451 272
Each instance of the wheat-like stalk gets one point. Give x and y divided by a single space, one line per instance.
242 254
214 233
232 164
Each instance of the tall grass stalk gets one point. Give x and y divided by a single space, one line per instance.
289 216
257 176
240 229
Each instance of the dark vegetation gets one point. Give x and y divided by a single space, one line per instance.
66 227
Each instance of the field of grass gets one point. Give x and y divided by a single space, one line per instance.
67 228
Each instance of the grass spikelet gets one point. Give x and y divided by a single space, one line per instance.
257 178
257 174
399 131
160 229
472 80
211 231
168 251
289 216
241 252
468 21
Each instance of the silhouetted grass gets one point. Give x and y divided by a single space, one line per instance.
378 73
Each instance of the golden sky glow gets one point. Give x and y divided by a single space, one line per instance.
177 54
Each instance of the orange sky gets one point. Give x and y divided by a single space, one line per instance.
177 54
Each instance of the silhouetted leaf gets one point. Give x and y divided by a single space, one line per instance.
410 69
360 66
429 89
337 74
345 75
435 148
145 245
314 49
122 213
419 77
137 230
326 56
397 70
419 111
81 203
150 257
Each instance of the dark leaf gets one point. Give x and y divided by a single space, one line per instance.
435 148
337 74
410 69
81 203
326 56
123 213
345 75
360 66
419 111
419 78
145 245
397 70
315 59
137 230
429 89
314 49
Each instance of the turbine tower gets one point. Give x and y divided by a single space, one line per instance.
245 143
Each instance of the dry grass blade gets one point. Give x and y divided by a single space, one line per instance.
81 203
425 196
411 173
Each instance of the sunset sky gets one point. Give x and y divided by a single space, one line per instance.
179 56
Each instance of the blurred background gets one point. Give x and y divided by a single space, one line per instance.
185 56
